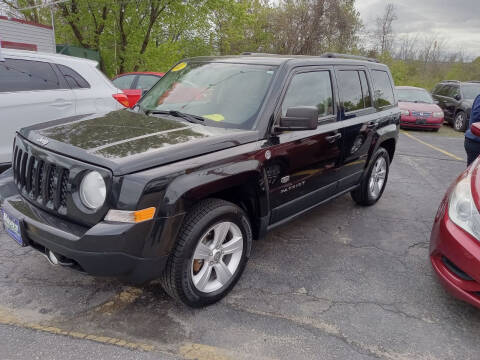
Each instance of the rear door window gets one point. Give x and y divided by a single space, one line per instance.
350 90
124 82
383 89
27 75
145 82
74 79
444 90
436 89
354 90
310 89
367 97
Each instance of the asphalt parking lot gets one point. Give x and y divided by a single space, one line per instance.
342 282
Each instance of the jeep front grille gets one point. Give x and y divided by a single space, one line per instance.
42 182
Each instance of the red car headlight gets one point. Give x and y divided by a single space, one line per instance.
461 207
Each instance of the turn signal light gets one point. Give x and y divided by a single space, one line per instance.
130 216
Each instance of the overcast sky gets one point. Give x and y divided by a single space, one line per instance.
457 21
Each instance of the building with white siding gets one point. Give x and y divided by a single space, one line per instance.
25 35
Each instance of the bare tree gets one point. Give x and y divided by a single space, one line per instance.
383 33
408 48
310 27
433 50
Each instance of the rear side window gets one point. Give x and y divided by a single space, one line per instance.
354 90
124 82
310 89
383 89
74 79
26 75
145 82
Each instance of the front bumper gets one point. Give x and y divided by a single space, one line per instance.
411 122
128 251
455 257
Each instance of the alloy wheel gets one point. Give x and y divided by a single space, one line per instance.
217 257
459 120
377 177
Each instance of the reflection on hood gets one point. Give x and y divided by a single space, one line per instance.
149 143
116 126
126 141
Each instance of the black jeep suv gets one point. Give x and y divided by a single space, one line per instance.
219 151
456 100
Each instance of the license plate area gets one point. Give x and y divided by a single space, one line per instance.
421 121
13 227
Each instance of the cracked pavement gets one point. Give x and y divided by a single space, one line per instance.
341 282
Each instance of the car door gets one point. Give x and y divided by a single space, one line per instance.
302 169
451 101
358 121
30 93
442 97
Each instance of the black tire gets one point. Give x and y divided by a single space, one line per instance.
460 122
177 278
362 195
435 130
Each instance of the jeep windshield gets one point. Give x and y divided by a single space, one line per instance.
471 91
219 94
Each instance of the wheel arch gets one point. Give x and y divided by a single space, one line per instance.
389 145
243 184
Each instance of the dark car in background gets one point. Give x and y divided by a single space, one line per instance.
135 84
456 100
419 110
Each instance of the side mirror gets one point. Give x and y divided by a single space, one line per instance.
299 118
458 97
475 129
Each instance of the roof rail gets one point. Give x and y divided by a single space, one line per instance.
474 81
258 54
347 56
450 81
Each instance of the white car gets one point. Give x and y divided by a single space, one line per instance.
39 87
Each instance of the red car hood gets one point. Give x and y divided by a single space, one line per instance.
419 107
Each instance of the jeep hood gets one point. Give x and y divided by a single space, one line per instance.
125 141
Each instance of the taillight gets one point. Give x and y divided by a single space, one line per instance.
122 99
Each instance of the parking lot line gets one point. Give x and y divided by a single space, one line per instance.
186 350
6 318
432 146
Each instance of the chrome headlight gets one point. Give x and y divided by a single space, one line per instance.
405 112
438 114
93 190
462 209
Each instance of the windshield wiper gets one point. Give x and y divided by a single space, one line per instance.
196 119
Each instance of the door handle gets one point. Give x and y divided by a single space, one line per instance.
331 139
